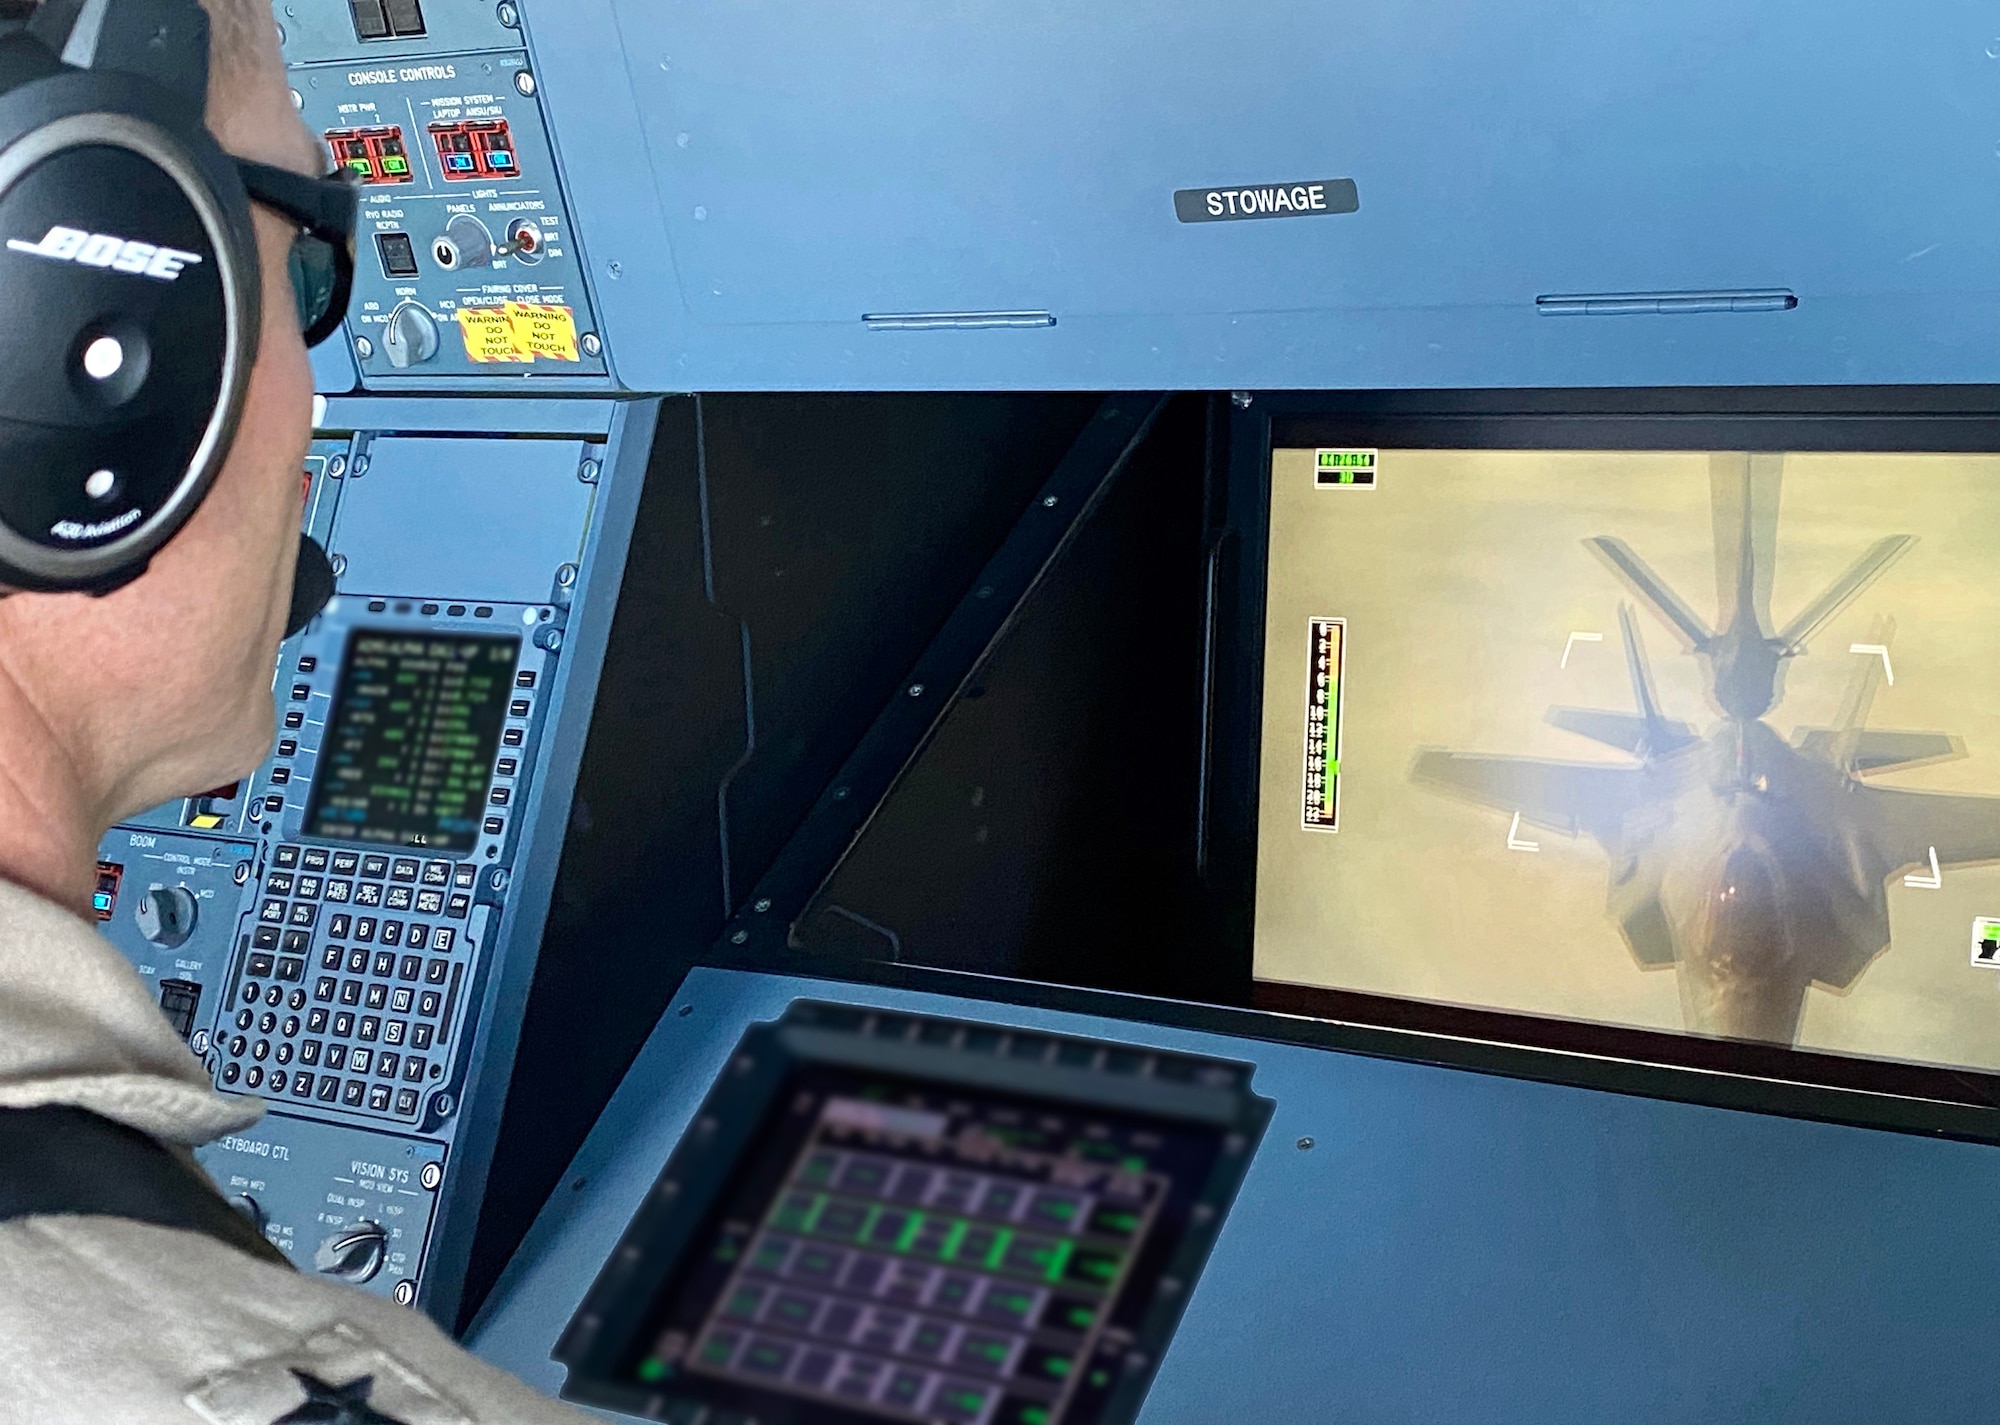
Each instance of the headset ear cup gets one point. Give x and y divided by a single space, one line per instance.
130 292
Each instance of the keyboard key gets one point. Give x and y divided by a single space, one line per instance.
303 913
437 873
374 867
437 972
324 989
265 938
350 992
364 928
278 883
406 1102
357 961
386 1064
336 1056
378 1098
316 1022
397 899
420 1036
430 902
340 892
272 912
396 1030
413 1070
385 962
313 858
400 1001
404 870
360 1061
368 893
308 887
346 863
260 965
302 1084
392 932
459 906
378 995
291 969
343 1023
329 1089
371 1027
442 936
297 942
429 1004
285 857
412 968
351 1093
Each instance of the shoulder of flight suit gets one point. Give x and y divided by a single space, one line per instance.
109 1322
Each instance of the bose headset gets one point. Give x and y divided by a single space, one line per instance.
130 289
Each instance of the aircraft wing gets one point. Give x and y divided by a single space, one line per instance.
1907 825
1569 797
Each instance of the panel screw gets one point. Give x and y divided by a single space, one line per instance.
406 1292
431 1176
616 270
498 879
298 99
763 906
565 576
442 1105
551 639
360 466
508 16
525 82
739 937
590 344
363 347
336 467
840 794
1240 400
339 563
589 471
916 690
198 1041
241 873
1048 502
1305 1145
686 1010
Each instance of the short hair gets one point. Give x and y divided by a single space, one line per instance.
240 36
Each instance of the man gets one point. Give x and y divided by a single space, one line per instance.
109 706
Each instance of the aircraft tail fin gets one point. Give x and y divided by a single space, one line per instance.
1843 591
1649 734
1855 748
1652 590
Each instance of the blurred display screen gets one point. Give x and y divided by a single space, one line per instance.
409 753
1688 741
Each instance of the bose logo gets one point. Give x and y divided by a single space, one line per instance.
142 259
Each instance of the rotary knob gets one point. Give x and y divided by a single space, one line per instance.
252 1210
354 1254
166 916
411 337
465 242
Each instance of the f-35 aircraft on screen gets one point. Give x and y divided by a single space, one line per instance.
1756 866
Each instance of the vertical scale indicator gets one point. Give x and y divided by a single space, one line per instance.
1326 662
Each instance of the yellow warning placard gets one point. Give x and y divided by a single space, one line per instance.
489 335
543 330
518 332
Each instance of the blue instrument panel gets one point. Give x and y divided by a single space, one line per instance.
1418 1243
348 932
890 195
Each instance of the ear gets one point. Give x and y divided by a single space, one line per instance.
165 41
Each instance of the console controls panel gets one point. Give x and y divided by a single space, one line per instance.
467 264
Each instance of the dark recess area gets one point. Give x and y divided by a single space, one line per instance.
792 557
1048 829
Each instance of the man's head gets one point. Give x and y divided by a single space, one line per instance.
110 705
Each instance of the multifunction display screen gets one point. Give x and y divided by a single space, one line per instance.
888 1248
1686 741
408 755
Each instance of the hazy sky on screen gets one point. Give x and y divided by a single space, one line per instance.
1461 576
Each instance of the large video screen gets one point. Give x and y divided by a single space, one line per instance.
1687 741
